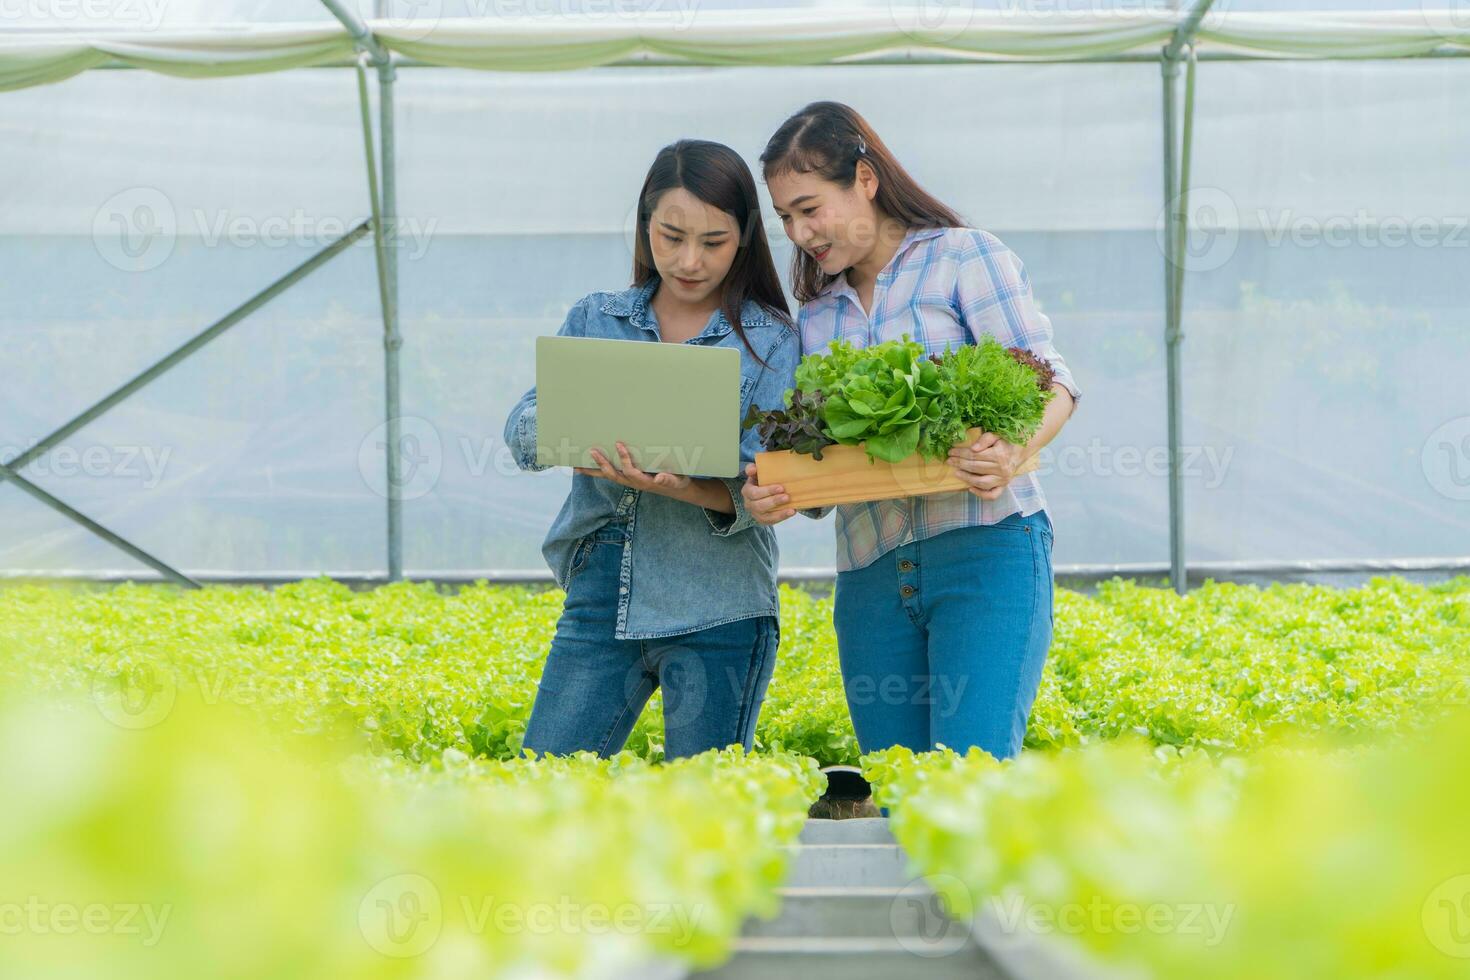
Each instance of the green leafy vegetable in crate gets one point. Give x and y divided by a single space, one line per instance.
896 401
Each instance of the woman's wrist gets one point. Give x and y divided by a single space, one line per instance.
714 494
704 492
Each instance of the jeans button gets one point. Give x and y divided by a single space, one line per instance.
905 566
906 591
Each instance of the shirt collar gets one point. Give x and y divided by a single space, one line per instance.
839 286
633 303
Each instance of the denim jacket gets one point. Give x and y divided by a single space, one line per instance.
684 568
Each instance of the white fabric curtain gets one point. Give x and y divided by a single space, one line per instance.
726 37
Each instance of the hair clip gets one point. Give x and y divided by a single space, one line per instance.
862 146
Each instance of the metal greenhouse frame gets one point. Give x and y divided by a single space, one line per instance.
1177 56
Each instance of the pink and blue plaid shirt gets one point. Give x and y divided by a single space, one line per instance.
944 286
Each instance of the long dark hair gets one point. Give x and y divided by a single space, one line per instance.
716 175
828 139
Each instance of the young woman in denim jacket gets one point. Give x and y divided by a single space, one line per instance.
670 582
943 603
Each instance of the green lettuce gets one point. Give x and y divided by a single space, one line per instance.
895 401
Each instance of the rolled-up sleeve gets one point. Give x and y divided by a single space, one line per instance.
520 424
520 433
769 392
994 297
724 525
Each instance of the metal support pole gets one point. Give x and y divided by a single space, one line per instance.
1172 335
388 303
359 31
1176 231
385 241
392 340
117 540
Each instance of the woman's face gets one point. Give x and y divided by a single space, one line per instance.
836 226
693 244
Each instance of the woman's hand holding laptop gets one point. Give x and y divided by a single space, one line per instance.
629 475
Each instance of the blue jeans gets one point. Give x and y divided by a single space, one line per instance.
594 687
942 640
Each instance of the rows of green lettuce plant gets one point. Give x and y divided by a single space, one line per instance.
1281 795
417 670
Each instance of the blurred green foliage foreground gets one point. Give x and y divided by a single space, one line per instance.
311 782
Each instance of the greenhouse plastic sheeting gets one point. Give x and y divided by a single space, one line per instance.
1327 318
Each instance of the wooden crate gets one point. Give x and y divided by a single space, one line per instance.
845 475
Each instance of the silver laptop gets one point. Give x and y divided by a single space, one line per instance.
675 406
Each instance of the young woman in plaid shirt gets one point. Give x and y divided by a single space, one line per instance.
943 603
